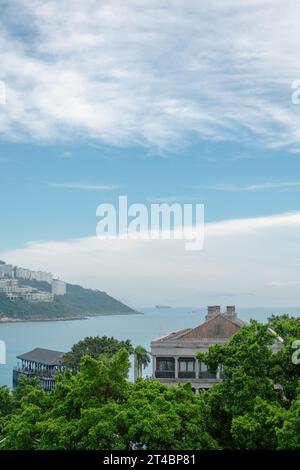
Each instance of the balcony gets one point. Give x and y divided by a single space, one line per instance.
165 374
207 375
186 375
47 382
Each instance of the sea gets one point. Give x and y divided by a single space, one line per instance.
140 329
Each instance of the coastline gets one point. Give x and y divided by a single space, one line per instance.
6 320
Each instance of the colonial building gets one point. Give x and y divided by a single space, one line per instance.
41 363
174 354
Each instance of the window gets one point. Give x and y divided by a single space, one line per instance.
205 373
187 365
165 364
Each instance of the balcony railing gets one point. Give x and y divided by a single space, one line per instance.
165 374
207 375
37 372
46 382
186 375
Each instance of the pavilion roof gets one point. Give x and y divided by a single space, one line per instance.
42 356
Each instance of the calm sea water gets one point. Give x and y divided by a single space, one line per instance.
140 329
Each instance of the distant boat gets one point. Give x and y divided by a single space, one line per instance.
162 306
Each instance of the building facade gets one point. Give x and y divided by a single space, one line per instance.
7 286
59 287
6 270
12 290
30 275
174 354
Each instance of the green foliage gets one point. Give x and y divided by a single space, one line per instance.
99 409
80 301
285 326
255 406
289 434
94 346
25 385
40 285
258 429
142 357
6 402
165 418
284 371
251 372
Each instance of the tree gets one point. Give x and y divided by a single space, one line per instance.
141 360
285 326
159 417
94 347
284 370
99 409
247 362
6 401
258 429
289 434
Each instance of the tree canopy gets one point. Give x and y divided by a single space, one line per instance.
95 346
99 409
250 406
255 406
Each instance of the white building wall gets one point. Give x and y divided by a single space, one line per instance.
59 287
6 270
41 276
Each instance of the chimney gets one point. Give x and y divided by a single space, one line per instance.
212 311
230 312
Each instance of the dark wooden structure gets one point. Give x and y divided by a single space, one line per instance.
44 364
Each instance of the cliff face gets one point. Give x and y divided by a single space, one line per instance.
77 303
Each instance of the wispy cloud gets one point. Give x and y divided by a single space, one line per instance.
85 186
293 283
256 187
151 73
170 199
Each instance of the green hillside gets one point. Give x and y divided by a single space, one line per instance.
77 303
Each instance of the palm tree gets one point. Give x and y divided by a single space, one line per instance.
141 360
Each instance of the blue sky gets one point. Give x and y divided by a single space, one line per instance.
162 102
56 188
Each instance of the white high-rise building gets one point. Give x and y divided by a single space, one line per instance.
59 287
6 270
23 273
41 276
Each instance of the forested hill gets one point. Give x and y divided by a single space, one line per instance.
77 303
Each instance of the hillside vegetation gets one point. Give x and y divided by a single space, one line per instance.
77 303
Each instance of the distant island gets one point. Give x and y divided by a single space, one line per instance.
162 306
28 299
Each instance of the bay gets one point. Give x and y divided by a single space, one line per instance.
140 329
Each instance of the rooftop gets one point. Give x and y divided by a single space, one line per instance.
218 327
46 357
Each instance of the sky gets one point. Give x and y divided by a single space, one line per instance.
187 102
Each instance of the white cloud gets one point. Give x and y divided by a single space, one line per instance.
151 72
242 262
256 187
170 199
85 186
